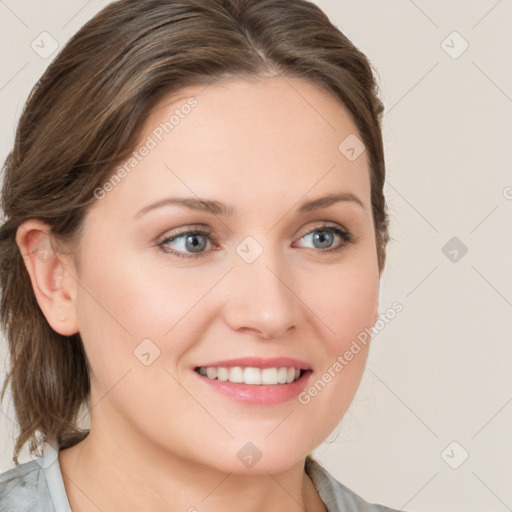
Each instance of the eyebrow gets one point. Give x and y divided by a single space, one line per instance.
218 208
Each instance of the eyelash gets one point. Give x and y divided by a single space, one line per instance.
347 238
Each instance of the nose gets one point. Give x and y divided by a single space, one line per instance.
262 301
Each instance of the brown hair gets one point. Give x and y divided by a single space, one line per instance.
84 116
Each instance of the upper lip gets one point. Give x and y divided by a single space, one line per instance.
261 362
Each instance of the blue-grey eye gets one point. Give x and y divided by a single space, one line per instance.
322 239
188 243
194 243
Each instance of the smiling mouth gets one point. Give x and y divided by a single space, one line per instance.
251 375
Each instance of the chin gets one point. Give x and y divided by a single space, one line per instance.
262 457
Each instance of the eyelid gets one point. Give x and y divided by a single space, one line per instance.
325 224
189 228
347 238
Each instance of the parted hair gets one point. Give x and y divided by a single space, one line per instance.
85 115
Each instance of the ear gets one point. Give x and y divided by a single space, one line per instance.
51 274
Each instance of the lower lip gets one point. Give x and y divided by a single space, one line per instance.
263 394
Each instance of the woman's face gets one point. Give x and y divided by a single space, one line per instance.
268 277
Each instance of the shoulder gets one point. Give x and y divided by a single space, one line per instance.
23 489
37 486
336 496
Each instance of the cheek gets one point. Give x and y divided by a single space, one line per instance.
124 301
344 298
344 303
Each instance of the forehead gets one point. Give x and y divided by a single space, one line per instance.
275 138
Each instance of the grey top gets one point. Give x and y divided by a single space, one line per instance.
37 486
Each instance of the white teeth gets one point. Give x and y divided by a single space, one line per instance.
236 374
251 375
282 375
269 375
222 374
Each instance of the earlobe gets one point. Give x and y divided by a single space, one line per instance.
54 287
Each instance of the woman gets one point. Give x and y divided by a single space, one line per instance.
195 231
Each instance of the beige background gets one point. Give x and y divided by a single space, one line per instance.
440 372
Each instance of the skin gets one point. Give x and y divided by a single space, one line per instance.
160 438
